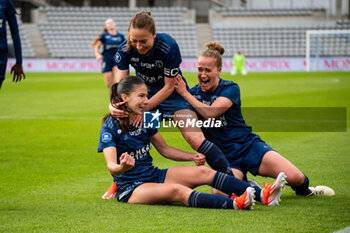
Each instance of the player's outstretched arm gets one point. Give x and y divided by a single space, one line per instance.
121 74
174 153
219 107
162 94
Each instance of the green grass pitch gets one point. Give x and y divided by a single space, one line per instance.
52 178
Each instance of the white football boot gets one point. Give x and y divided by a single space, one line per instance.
321 190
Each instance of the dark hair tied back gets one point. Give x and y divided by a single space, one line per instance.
141 20
126 86
214 50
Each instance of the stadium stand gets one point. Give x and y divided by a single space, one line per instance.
27 50
69 31
274 32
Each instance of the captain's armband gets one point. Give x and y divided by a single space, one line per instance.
171 72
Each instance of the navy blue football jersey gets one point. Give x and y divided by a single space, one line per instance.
163 60
111 43
136 142
234 137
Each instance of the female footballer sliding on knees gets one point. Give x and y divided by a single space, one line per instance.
156 59
126 151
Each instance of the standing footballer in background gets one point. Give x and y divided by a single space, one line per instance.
238 64
8 13
111 39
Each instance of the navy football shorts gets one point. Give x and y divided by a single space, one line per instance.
125 191
108 63
251 160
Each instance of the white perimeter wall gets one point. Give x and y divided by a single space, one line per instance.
188 65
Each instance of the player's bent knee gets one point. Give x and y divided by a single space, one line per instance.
295 178
178 192
205 171
194 141
174 189
204 175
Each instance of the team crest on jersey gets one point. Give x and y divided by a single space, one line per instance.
213 98
159 63
117 57
106 137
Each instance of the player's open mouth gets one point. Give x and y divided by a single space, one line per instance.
204 81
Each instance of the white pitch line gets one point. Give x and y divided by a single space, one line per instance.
344 230
47 118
